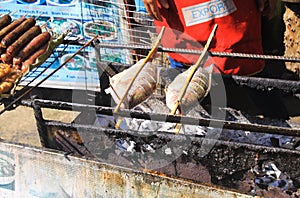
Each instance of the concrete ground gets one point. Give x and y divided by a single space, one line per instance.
19 125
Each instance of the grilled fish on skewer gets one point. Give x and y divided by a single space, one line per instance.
148 58
196 90
142 87
140 67
195 84
192 88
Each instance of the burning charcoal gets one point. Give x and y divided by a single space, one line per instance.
271 170
167 126
168 151
148 148
122 145
263 182
105 121
275 142
148 125
132 124
297 144
270 177
282 184
131 146
196 130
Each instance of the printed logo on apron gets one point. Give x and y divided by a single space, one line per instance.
207 11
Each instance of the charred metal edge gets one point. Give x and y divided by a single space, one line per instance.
165 117
267 84
151 179
165 135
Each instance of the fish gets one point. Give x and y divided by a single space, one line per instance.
197 89
143 86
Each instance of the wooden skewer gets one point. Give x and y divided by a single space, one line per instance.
12 13
148 57
120 120
38 16
45 24
191 74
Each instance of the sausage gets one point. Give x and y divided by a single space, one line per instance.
11 26
14 48
5 20
17 32
31 47
31 59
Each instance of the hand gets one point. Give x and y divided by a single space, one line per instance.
267 7
152 8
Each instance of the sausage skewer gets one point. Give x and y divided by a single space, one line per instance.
11 26
5 20
13 49
31 47
31 59
17 32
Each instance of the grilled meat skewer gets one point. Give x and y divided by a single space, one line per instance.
31 47
17 32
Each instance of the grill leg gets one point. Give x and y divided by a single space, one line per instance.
40 123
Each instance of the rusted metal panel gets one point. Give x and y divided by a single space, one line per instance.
37 172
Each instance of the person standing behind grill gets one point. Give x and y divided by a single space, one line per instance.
188 25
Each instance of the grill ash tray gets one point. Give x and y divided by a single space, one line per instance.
248 168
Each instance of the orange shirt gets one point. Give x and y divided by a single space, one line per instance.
189 22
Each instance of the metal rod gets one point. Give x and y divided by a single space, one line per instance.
190 51
259 83
259 128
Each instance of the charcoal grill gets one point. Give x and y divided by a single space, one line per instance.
223 160
228 163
